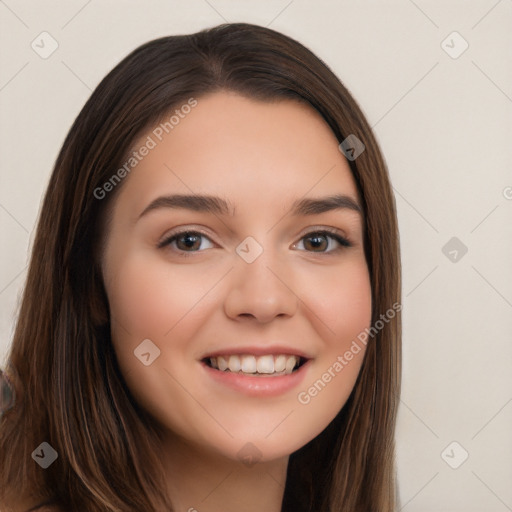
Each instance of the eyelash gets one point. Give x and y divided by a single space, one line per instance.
342 241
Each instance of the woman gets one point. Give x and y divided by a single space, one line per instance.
211 319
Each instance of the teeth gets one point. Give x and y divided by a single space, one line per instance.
265 364
280 363
222 363
248 364
290 364
234 364
268 364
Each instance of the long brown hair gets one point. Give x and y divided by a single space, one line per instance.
69 389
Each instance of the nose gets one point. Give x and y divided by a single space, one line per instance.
261 290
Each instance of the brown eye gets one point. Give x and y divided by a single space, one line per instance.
186 241
318 243
323 242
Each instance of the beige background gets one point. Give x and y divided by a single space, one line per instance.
444 125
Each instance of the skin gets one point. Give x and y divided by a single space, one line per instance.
260 157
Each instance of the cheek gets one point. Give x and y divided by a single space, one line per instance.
341 301
151 300
148 298
344 306
353 310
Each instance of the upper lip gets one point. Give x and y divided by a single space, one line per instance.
257 350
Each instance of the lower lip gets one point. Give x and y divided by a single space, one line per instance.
258 386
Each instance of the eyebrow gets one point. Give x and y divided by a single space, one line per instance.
219 206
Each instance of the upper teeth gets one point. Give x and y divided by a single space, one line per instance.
256 364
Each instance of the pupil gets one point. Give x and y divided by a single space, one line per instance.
189 240
317 242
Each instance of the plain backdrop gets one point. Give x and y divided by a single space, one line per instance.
435 81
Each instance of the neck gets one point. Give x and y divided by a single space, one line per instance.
202 481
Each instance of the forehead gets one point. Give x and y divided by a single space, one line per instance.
240 148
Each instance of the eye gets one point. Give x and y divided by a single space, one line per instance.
323 241
186 241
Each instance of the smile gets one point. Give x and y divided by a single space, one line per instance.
256 371
264 366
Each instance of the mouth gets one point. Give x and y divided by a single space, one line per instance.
250 365
256 371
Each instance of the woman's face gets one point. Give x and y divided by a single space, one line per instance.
237 241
